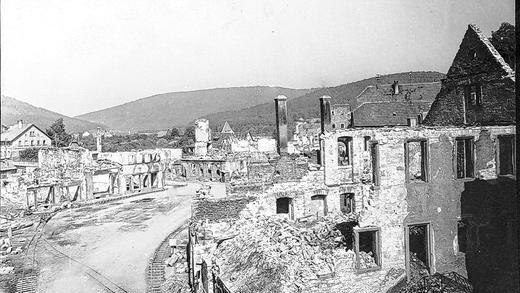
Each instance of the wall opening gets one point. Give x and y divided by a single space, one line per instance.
347 204
506 155
345 151
319 204
366 140
284 206
416 160
145 181
465 157
473 95
153 177
368 249
418 251
374 156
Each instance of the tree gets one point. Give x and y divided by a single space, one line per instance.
58 135
504 41
30 154
174 133
188 137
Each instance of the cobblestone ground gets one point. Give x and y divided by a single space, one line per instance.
107 247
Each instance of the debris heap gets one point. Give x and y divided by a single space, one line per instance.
272 254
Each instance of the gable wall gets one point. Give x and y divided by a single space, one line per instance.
498 89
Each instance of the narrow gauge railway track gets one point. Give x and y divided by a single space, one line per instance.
107 284
155 272
29 282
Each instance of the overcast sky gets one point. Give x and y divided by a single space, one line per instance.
77 56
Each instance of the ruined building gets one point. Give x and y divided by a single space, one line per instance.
72 175
386 205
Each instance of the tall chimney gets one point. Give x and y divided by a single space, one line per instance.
280 105
395 88
20 124
325 113
98 140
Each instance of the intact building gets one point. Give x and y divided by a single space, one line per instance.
21 136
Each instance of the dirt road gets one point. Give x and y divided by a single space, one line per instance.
114 240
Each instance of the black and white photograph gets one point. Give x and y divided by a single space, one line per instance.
268 146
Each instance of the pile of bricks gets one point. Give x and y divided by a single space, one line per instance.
268 249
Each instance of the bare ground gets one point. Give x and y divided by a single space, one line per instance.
115 239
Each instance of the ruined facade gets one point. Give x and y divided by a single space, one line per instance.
479 88
409 201
69 175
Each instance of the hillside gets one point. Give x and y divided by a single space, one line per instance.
260 119
179 108
14 110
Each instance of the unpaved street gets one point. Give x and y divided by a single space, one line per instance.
115 239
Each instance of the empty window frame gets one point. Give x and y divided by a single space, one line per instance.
319 204
374 157
506 155
344 151
347 204
464 157
368 248
416 160
284 206
473 95
366 140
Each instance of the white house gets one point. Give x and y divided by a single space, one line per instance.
22 136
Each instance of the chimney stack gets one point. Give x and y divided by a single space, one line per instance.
202 137
98 140
20 124
395 87
280 104
325 113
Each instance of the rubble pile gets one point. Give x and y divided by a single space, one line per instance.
366 260
276 255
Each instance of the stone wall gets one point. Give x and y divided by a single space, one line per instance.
396 202
476 62
341 116
217 210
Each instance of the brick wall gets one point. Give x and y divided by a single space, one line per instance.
215 210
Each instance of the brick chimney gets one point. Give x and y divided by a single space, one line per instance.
98 140
280 105
325 113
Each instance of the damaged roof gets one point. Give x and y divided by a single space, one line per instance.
388 113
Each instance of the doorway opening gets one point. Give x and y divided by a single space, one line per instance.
418 251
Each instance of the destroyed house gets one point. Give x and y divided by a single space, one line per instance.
410 201
386 105
479 88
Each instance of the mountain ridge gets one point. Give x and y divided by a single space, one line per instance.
260 119
14 110
162 111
